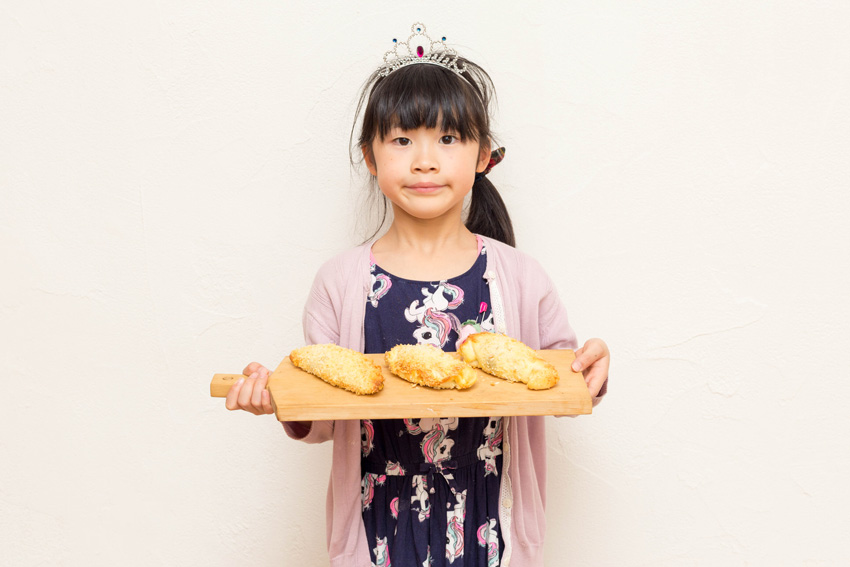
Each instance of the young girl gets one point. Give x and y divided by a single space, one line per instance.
448 491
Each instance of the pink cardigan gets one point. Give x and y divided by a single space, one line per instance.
526 306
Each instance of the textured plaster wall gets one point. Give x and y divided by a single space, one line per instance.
172 174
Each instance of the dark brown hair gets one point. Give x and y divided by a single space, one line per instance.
423 95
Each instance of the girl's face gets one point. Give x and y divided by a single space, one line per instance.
426 172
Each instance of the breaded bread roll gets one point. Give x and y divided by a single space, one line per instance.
429 366
339 366
509 359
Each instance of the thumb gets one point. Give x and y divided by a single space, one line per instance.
581 362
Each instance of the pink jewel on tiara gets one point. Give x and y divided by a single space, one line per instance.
420 48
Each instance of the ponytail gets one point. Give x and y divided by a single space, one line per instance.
488 215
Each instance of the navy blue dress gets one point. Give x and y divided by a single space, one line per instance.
430 487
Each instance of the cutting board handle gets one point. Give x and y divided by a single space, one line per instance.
221 384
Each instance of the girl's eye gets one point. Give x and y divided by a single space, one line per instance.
448 139
402 141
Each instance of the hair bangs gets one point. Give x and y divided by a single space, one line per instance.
425 96
429 100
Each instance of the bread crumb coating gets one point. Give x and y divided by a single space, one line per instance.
340 367
430 366
509 359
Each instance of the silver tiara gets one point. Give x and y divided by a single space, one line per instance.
419 48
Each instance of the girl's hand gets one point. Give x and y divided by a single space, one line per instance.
592 361
250 393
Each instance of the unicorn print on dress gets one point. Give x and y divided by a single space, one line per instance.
367 488
489 538
367 437
436 446
381 284
434 322
492 446
394 469
420 496
412 426
471 326
435 327
454 528
435 300
382 553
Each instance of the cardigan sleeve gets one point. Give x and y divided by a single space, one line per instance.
321 326
555 329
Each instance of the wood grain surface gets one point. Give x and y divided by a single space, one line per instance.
299 396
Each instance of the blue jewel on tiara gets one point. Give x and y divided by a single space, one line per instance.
420 48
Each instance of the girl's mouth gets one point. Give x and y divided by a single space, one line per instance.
424 187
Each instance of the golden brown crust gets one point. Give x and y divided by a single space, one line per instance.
429 366
340 367
509 359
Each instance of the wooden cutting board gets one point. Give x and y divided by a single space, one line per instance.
299 396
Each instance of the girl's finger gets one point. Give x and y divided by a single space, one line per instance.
251 368
576 366
231 400
247 392
585 359
267 402
595 384
259 388
596 372
593 350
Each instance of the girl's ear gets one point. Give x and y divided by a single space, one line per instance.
483 158
369 159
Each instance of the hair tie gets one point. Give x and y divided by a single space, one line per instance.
496 156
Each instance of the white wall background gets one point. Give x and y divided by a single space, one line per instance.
172 174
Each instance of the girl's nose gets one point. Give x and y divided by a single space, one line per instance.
425 160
